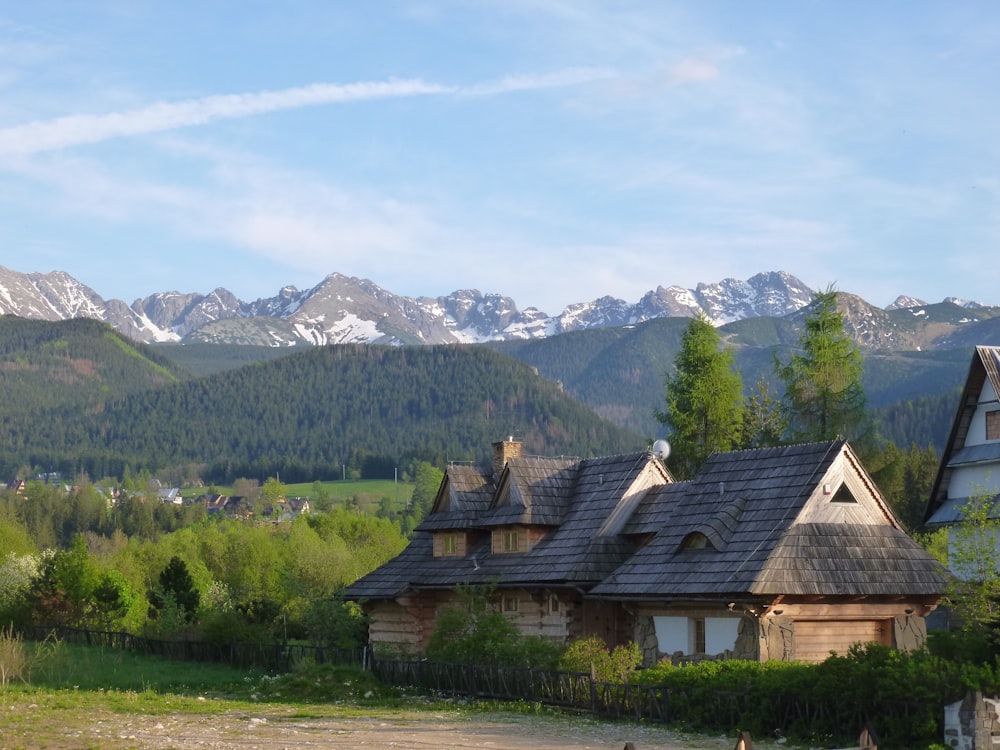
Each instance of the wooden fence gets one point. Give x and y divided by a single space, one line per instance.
272 657
561 689
795 714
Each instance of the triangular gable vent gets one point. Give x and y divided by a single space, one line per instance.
843 495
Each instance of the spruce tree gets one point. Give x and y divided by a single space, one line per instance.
704 399
824 397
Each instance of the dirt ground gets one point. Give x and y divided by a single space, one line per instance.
271 730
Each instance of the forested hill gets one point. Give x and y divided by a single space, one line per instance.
54 369
313 413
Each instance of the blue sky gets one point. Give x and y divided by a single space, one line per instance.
553 151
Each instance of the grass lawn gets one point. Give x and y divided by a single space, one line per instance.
76 696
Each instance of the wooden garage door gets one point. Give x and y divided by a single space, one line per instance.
814 640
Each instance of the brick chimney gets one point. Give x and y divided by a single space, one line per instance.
503 451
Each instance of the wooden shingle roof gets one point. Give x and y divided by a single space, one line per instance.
574 553
533 491
746 504
577 551
849 560
465 494
796 520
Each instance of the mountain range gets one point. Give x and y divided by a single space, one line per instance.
343 309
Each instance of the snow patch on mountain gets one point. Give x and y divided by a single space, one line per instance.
342 309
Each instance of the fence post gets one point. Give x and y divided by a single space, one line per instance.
593 689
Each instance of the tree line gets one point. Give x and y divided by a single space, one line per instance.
217 580
822 398
308 416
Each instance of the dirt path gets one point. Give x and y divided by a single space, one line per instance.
273 729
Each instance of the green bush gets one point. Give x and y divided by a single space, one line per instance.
592 656
902 694
469 631
336 623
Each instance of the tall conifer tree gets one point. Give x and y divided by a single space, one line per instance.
704 399
824 397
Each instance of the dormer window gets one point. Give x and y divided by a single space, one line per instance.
449 544
696 540
993 425
510 539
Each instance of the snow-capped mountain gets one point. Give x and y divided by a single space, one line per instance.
341 309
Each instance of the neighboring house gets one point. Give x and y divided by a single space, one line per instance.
774 553
215 504
170 496
17 486
287 509
970 465
234 506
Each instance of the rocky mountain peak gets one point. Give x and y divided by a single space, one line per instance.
342 309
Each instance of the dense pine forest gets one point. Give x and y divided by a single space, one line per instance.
309 415
78 398
79 401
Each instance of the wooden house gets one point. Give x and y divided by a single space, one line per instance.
542 531
970 464
775 553
783 553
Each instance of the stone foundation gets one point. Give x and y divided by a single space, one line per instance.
972 723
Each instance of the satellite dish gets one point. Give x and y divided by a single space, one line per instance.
661 449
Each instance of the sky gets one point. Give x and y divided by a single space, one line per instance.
553 151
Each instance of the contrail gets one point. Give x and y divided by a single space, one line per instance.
76 130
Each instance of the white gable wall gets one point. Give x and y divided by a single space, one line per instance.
981 478
977 427
978 479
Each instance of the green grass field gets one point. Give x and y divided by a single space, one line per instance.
366 491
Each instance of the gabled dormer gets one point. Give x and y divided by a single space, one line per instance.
627 488
464 495
530 499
